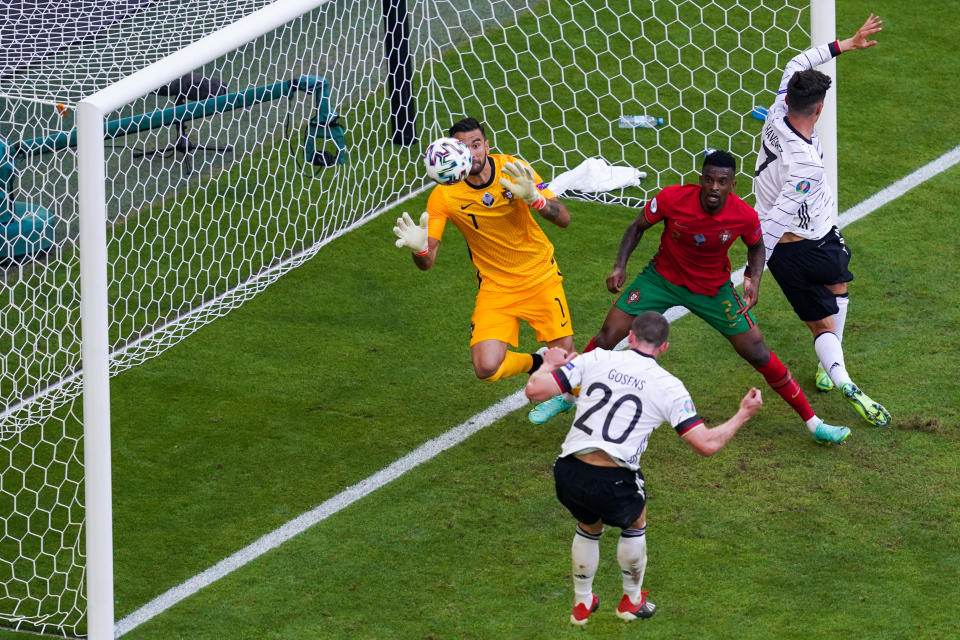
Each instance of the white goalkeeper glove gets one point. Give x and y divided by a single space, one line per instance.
522 184
412 236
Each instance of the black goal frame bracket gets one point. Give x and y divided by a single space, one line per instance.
396 44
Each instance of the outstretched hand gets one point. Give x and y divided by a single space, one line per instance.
410 235
519 180
860 40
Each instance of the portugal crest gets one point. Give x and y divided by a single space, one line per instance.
633 297
725 236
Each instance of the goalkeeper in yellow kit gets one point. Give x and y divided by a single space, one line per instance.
517 275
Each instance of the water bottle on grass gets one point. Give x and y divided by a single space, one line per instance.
639 122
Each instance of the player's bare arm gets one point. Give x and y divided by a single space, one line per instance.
556 212
861 39
756 253
542 385
426 260
707 441
631 238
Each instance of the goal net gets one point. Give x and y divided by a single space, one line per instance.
224 177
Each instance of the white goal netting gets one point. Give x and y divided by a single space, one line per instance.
220 182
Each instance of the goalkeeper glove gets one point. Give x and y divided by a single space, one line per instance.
412 236
522 184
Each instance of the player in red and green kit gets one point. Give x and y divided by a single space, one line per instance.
691 269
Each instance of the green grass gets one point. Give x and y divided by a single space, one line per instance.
773 535
356 358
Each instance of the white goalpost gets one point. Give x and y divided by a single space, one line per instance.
177 157
823 28
95 316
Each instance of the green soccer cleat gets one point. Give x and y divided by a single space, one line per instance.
829 434
872 412
546 410
824 383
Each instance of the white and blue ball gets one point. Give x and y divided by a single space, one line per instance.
447 161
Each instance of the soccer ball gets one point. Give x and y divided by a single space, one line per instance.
447 161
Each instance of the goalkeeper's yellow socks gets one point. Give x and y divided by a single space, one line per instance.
514 363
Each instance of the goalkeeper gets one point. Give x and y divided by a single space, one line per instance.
517 275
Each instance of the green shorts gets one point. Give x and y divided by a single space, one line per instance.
650 291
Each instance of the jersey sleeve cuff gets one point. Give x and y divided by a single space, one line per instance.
688 424
562 380
835 48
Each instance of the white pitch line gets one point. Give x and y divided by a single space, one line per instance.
344 499
900 187
451 438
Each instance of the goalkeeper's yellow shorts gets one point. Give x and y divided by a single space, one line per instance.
497 315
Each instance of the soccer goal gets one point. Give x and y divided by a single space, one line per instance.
163 161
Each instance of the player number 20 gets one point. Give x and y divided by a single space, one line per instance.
606 394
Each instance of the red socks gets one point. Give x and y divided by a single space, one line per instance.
778 377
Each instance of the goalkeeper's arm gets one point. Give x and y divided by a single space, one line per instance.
521 183
414 237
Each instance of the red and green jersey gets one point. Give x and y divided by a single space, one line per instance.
694 244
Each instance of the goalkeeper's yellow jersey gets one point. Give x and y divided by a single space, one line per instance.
507 246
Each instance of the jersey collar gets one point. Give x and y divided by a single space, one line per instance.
802 137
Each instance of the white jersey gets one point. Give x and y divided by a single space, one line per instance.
790 182
624 396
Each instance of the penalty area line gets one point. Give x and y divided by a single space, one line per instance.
453 437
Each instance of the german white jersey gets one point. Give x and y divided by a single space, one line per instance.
790 182
624 396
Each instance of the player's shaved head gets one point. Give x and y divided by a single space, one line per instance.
651 327
806 90
466 125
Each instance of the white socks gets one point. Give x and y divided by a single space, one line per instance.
840 318
827 346
632 556
586 558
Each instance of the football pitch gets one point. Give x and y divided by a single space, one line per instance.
355 359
